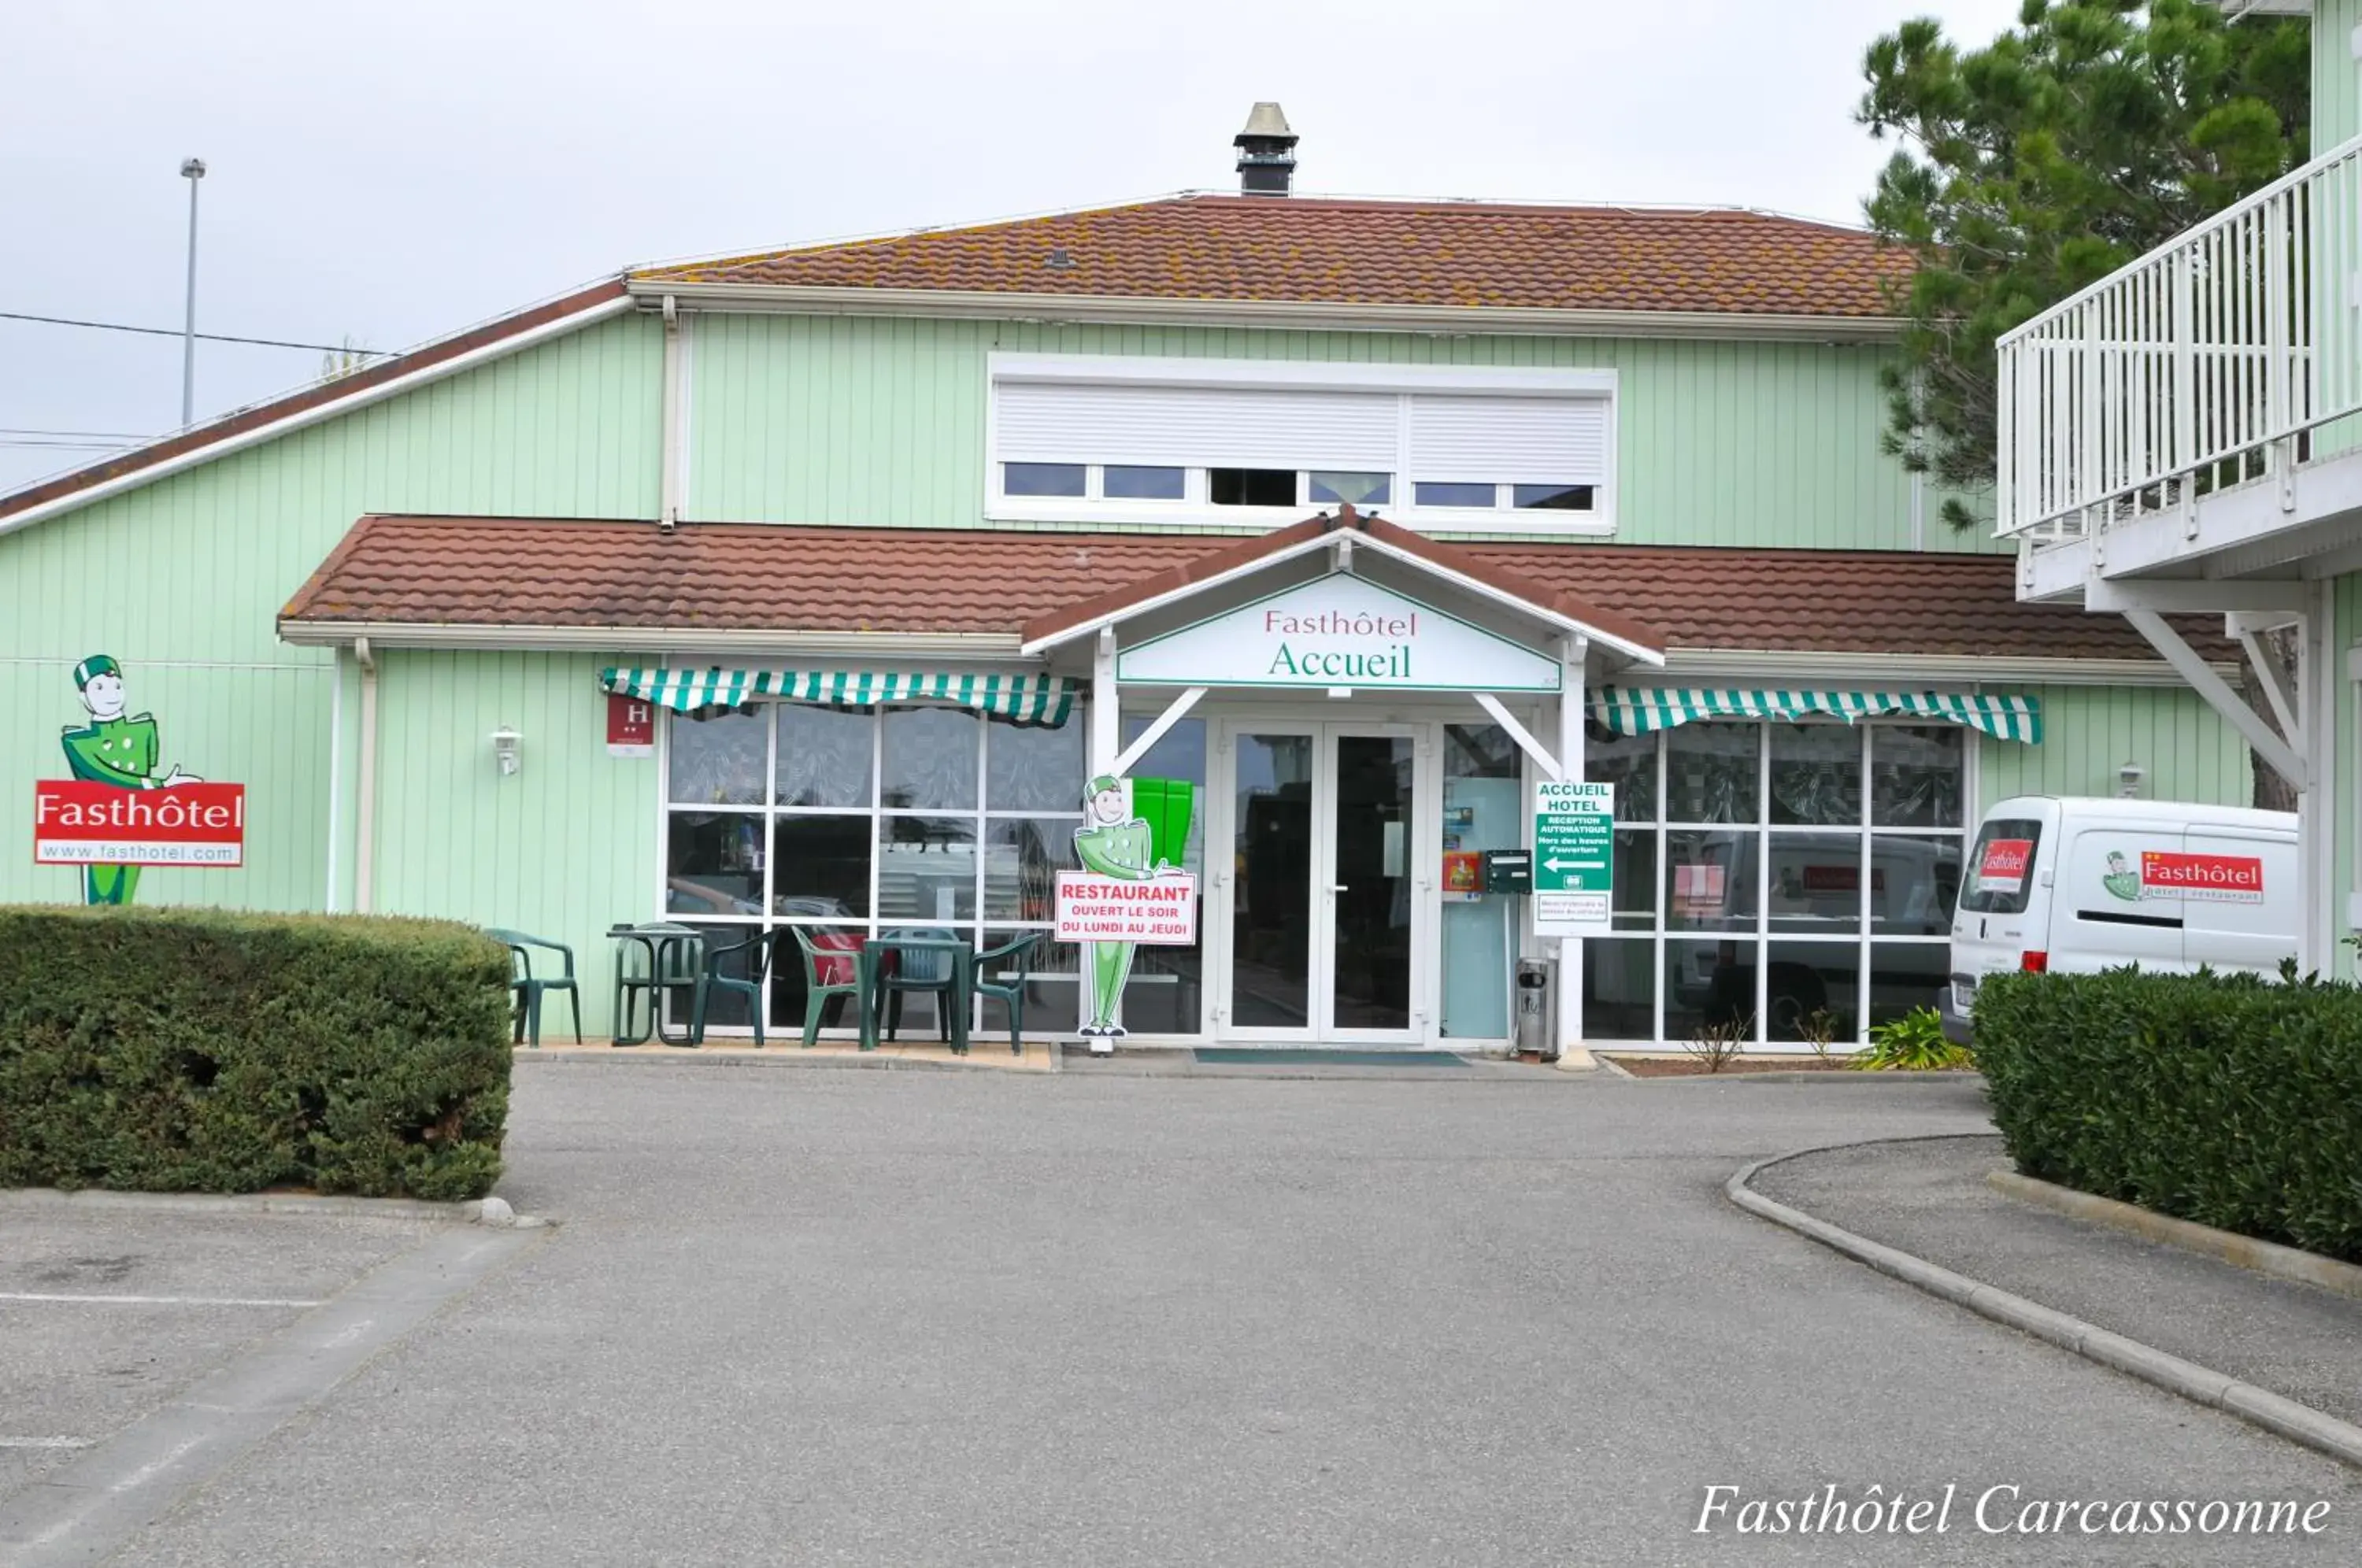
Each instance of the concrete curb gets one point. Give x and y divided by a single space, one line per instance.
1810 1075
2292 1264
492 1211
2260 1407
772 1058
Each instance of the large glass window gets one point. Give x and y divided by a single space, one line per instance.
915 818
1800 879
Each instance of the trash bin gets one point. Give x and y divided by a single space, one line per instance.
1536 1030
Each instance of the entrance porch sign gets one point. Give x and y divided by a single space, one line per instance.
1339 631
1574 838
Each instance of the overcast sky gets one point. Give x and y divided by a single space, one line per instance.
391 180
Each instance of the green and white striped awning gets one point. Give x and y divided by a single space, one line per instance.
1036 700
1637 711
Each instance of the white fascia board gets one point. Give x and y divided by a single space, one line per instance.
785 299
649 639
2184 596
2250 529
1888 671
1638 652
1174 596
319 413
1297 375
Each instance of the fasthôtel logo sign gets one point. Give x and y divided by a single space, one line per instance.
1298 657
80 821
1339 632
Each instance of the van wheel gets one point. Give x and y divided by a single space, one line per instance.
1795 993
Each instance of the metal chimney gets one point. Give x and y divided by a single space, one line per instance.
1266 153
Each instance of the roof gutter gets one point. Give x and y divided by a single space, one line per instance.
794 299
668 640
332 408
1890 670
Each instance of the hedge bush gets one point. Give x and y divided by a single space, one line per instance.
203 1051
2227 1099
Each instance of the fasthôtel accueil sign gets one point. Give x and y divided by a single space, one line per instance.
81 822
1338 631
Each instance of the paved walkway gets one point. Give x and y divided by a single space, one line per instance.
1930 1199
1044 1320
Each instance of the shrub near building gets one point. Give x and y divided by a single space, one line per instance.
199 1050
2225 1099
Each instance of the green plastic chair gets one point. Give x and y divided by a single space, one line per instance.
831 974
756 952
1013 954
930 972
529 989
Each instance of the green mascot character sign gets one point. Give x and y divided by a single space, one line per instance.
114 761
1129 891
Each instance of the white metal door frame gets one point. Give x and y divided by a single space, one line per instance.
1422 843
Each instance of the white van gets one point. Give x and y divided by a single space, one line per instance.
2078 885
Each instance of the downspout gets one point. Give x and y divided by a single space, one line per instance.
669 499
335 774
365 807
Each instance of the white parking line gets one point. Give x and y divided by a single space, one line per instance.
46 1442
156 1300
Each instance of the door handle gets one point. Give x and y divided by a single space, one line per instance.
1339 887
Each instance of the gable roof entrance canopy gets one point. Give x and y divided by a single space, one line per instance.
1337 603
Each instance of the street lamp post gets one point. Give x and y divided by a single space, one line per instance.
192 170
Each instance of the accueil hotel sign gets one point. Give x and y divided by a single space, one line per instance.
1340 631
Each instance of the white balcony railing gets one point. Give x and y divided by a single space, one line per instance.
2203 364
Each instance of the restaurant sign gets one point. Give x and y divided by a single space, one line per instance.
83 822
1339 631
1161 912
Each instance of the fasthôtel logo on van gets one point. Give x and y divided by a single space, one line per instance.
1388 662
2172 874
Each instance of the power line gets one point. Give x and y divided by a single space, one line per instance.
208 336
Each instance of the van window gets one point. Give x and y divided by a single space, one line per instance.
2000 866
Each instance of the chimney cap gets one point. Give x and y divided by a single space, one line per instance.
1264 123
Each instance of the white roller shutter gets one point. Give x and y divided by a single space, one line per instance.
1050 422
1508 440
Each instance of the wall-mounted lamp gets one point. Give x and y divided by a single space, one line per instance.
2128 781
504 749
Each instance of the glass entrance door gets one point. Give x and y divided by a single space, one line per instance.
1323 909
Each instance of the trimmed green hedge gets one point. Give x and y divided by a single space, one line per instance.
202 1051
2225 1099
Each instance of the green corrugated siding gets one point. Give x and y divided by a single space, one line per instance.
563 848
2346 766
181 580
2336 104
880 422
2089 732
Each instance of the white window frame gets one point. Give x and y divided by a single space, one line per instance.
1265 375
1659 937
978 927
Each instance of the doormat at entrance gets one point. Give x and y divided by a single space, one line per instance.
1284 1056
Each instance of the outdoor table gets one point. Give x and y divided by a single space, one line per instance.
676 958
870 969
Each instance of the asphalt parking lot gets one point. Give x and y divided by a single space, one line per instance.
902 1318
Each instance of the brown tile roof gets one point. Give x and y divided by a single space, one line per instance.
239 421
717 579
1313 251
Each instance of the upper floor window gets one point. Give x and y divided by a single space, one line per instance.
1110 439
